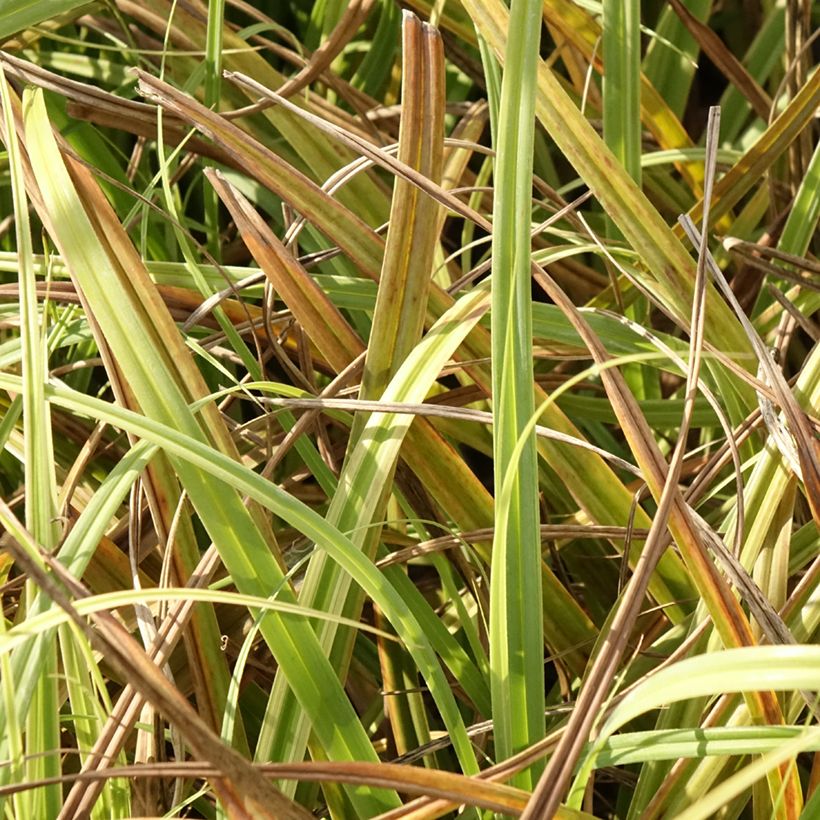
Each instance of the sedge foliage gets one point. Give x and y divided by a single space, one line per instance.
384 433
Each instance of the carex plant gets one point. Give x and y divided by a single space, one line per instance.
409 409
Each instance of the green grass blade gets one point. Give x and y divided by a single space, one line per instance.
150 372
198 454
802 222
672 744
670 60
42 738
622 77
19 15
354 504
779 668
516 638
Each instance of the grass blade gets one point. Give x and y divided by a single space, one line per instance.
152 373
516 639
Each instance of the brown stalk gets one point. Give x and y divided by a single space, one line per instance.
314 311
255 159
354 15
729 618
412 780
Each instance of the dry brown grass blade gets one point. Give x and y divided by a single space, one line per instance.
548 532
70 89
354 15
727 63
87 102
398 316
240 786
729 618
314 311
756 255
367 149
454 788
262 164
130 701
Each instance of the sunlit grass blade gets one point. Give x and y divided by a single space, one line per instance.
640 223
781 668
622 67
516 639
119 301
19 15
42 736
672 744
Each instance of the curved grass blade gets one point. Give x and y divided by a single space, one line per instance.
148 349
777 668
191 450
240 786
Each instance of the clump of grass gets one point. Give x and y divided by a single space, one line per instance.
409 413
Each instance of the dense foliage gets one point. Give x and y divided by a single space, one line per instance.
409 409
